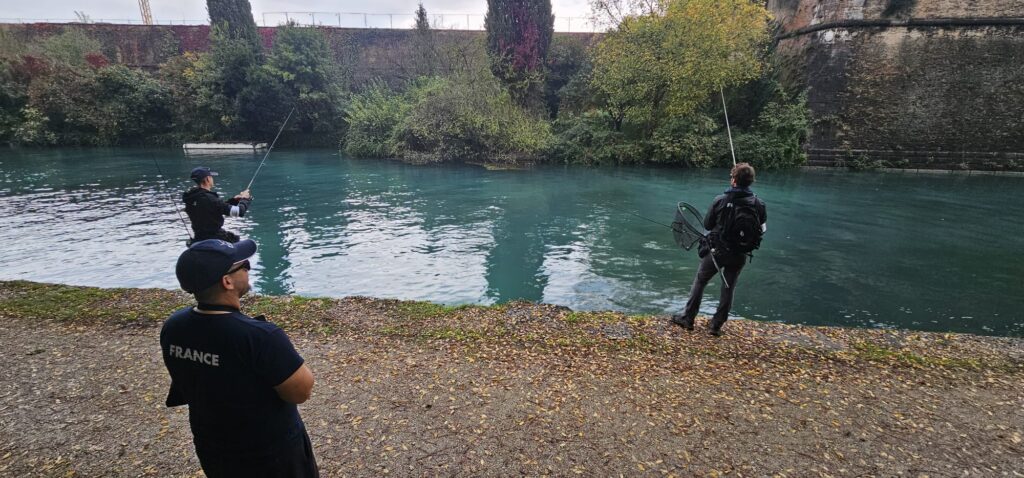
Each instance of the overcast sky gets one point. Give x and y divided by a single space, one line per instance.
195 10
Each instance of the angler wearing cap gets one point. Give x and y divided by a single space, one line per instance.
206 209
240 376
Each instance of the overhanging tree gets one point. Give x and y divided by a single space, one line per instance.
518 38
656 66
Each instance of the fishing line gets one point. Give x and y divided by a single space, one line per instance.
642 217
173 202
271 148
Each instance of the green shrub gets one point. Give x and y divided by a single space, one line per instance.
32 130
470 119
226 74
194 116
689 140
777 136
373 117
109 106
567 61
591 139
13 96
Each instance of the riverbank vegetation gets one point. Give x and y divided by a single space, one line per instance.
647 91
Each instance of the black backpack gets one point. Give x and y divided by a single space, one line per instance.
740 226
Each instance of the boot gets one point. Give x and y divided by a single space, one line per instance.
682 321
715 327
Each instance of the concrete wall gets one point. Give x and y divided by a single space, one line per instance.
925 83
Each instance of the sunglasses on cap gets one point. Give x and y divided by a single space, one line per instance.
239 266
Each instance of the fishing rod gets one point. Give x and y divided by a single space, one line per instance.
728 128
732 149
271 148
173 202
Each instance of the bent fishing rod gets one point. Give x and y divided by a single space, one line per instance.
173 202
265 156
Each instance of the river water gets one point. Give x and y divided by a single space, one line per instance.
929 251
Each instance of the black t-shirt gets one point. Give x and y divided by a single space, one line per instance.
224 367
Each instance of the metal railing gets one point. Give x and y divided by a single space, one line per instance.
441 21
116 21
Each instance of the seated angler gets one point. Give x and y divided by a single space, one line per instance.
206 209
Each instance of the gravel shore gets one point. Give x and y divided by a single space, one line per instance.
417 389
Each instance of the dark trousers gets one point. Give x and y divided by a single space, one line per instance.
294 459
731 266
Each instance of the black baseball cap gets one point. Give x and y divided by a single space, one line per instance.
203 264
198 174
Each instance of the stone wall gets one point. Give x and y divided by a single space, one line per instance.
913 83
363 54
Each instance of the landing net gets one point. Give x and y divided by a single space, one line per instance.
688 226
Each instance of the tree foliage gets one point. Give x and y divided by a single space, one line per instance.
190 80
107 106
518 38
299 73
234 20
647 93
461 118
655 66
235 54
471 118
71 47
425 54
422 21
610 13
566 61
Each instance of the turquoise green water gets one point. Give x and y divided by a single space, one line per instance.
931 252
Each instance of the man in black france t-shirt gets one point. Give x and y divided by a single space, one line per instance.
240 376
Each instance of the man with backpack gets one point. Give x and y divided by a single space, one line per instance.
735 223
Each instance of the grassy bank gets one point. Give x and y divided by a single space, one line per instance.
541 327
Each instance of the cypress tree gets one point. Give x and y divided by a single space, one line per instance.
234 19
425 48
235 52
422 22
518 38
